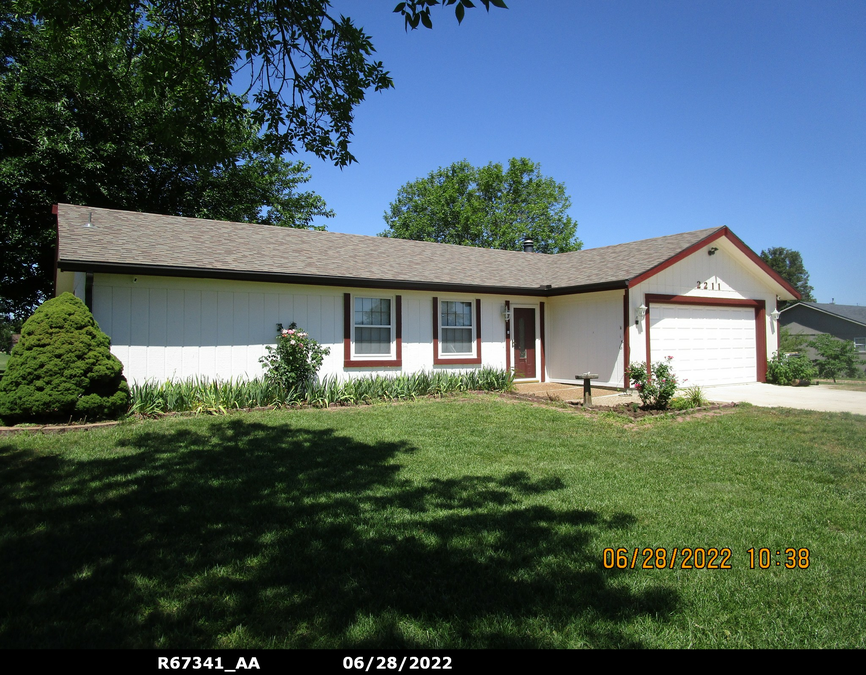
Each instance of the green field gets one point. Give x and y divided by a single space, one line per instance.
462 522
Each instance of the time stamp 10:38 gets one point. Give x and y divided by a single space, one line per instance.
699 558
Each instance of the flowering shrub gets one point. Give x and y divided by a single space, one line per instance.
655 394
296 359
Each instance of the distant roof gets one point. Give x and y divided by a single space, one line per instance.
125 241
854 313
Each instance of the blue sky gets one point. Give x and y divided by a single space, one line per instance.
659 117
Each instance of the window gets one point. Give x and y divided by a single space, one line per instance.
456 322
372 331
372 326
456 332
860 344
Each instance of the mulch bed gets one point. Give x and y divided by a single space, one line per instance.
628 409
636 413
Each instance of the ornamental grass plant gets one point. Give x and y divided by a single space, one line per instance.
203 395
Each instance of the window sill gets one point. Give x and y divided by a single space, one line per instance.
372 363
457 360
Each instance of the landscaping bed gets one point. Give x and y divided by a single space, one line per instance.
610 403
634 411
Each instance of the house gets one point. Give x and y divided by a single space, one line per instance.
846 322
182 297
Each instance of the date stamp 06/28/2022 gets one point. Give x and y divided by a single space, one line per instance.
699 558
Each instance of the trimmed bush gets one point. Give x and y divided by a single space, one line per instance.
62 368
783 370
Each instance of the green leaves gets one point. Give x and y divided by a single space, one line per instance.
62 368
784 369
303 69
655 392
838 357
489 207
87 122
294 362
416 12
789 265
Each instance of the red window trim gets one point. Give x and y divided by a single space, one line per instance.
760 320
459 360
348 362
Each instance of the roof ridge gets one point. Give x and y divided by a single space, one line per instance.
708 230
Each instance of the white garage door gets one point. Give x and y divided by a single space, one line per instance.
710 345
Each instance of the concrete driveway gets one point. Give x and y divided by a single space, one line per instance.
818 397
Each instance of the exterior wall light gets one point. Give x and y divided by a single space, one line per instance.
506 313
775 314
641 313
712 250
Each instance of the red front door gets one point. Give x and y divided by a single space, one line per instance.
523 342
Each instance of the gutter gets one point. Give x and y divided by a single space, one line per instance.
313 280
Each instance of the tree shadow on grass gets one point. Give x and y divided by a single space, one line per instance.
236 533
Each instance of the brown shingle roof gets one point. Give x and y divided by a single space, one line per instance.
170 245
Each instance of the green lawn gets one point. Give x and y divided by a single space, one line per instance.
473 522
845 383
4 359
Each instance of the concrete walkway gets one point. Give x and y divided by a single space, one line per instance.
818 397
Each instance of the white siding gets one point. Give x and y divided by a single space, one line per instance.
585 335
174 328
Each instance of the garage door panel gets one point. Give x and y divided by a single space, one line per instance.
709 345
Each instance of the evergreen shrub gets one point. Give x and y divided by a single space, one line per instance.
62 368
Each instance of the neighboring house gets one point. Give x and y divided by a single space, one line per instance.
846 322
182 297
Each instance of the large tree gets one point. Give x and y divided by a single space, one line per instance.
80 123
304 68
789 265
489 206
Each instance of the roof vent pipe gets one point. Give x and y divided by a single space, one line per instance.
527 246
